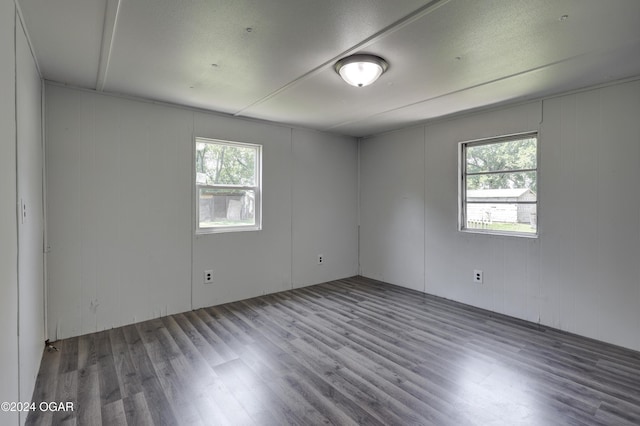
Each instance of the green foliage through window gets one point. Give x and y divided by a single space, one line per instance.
222 164
504 156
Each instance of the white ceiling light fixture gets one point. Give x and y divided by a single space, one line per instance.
361 70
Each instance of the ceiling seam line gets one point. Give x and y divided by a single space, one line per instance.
388 30
111 11
23 23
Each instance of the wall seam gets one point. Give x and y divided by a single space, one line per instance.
358 191
424 210
18 203
45 239
193 204
541 138
291 178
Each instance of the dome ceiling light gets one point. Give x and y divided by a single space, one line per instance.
361 70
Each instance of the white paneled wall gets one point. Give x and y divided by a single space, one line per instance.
392 208
121 221
325 213
21 238
118 223
583 272
31 226
8 226
590 248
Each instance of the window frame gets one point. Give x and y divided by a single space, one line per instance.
257 226
462 183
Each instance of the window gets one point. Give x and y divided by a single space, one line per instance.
499 185
228 186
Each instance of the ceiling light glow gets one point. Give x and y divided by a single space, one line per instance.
361 70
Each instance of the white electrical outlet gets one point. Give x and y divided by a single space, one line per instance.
320 259
477 276
208 276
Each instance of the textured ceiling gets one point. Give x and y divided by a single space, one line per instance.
273 59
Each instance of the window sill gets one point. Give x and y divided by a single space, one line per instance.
500 234
205 231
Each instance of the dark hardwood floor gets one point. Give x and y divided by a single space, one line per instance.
352 351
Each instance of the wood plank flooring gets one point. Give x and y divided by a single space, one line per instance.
347 352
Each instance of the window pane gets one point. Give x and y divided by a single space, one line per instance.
521 218
226 207
221 164
499 186
509 155
503 184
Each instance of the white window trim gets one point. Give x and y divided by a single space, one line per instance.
257 189
462 187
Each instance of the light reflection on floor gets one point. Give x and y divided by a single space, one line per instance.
496 394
